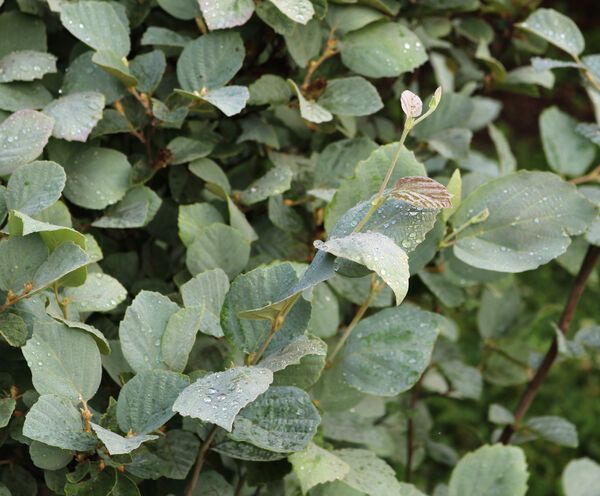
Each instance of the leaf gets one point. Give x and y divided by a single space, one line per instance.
581 477
207 291
300 11
145 401
368 176
164 37
567 152
54 420
506 159
253 290
304 42
283 419
293 353
388 351
466 381
195 217
371 475
186 149
75 115
13 329
499 308
7 407
382 49
590 131
55 354
26 65
555 28
23 136
118 445
210 61
136 209
218 397
179 337
21 32
35 186
96 178
180 9
98 25
316 465
100 339
422 192
99 293
23 96
531 215
227 14
49 457
142 328
499 470
276 181
116 66
206 252
309 110
376 252
230 100
209 171
148 69
269 89
557 430
351 96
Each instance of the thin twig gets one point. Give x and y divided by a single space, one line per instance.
313 65
594 175
375 288
566 317
189 490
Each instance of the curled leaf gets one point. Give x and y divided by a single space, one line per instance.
422 192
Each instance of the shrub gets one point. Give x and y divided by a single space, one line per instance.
249 248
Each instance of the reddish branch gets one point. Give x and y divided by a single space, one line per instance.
566 317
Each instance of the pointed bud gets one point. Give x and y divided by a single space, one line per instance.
436 98
411 104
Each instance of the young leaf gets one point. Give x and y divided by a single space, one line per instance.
422 192
218 397
412 105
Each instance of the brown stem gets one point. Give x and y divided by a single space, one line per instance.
410 428
313 65
594 175
566 317
375 288
189 490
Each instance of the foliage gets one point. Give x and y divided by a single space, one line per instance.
290 247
